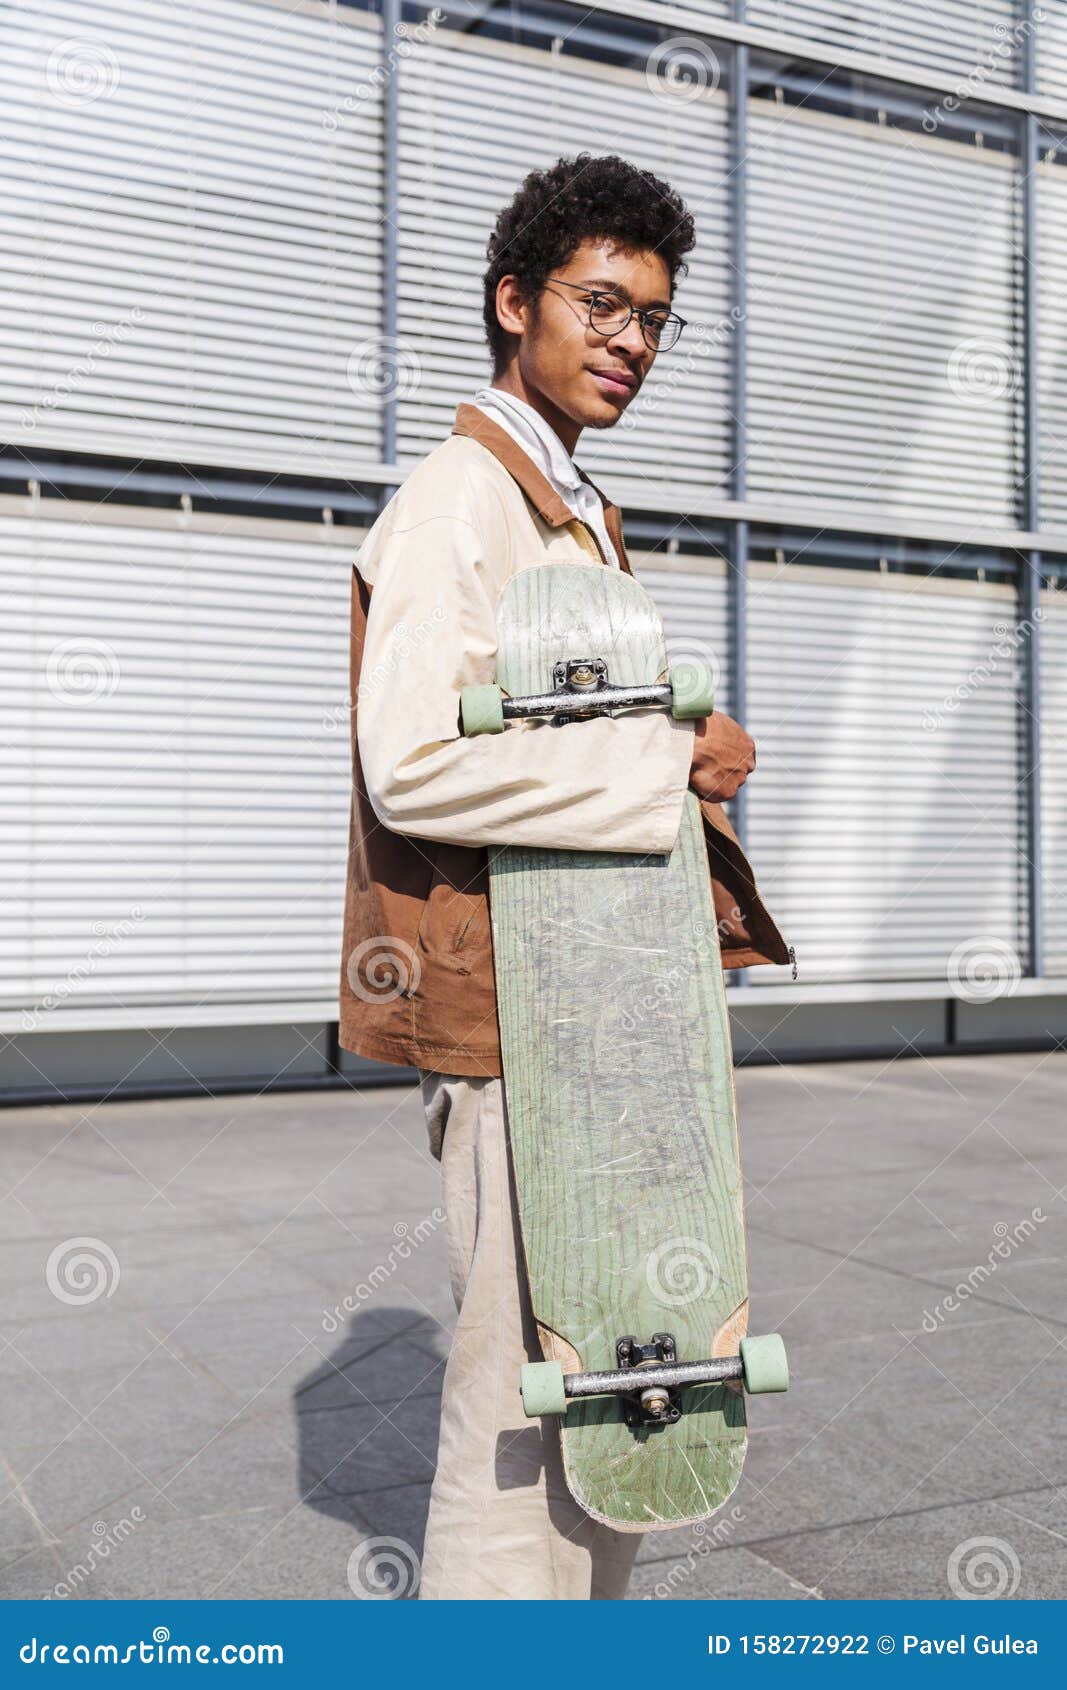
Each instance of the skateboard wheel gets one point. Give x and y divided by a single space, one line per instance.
692 691
542 1389
482 710
765 1365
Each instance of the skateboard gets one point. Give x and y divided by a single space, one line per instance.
619 1082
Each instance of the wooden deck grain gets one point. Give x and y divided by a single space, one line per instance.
620 1092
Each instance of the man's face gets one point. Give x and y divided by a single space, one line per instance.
587 376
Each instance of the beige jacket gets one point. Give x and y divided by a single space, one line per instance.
437 561
417 982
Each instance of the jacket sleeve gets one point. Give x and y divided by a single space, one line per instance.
605 784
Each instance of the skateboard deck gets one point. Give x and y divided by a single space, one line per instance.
619 1082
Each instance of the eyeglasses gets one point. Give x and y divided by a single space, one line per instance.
608 315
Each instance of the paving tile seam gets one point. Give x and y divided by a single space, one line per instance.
113 1501
867 1520
273 1414
383 1343
902 1273
353 1496
755 1187
18 1492
155 1477
326 1483
791 1578
206 1372
29 1546
740 1551
829 1342
371 1402
25 1554
252 1300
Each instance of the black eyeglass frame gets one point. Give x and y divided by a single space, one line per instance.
631 311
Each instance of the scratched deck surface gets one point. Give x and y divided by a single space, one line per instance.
620 1091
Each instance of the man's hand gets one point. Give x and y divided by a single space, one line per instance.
724 756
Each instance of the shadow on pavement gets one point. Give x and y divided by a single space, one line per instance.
367 1419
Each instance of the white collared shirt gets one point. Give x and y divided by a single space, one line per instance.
540 442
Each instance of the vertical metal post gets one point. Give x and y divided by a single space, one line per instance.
391 10
1030 514
737 563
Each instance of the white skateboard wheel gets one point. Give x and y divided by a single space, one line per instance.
692 690
765 1365
542 1389
482 710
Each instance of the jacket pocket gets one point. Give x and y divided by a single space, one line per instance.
455 912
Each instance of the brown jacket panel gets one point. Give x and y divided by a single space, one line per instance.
417 985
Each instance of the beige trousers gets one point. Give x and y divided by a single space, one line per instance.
502 1521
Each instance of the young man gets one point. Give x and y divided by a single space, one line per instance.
582 269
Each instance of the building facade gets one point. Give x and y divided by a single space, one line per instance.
243 251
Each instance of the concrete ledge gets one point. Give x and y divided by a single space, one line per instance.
82 1056
135 1062
794 1029
784 1024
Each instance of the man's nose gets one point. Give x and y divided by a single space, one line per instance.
629 340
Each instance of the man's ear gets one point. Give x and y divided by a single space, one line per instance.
511 309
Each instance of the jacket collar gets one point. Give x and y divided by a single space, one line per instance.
472 420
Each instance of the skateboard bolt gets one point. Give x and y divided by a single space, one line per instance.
655 1401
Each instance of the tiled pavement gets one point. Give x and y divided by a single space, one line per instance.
180 1418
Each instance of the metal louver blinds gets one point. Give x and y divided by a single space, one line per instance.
1054 778
884 361
885 815
1051 192
953 36
191 243
691 598
176 800
1051 55
478 115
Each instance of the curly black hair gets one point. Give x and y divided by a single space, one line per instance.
582 198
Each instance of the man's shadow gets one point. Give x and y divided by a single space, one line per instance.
367 1418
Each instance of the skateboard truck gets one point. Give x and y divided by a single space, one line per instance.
648 1405
582 688
760 1365
580 677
